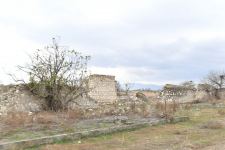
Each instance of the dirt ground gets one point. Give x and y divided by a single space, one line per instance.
204 131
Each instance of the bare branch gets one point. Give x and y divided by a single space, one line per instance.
56 74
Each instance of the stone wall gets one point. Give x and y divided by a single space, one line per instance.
182 94
15 98
103 88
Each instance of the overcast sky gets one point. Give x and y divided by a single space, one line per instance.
142 41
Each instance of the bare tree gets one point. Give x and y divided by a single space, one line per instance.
57 74
216 80
118 88
127 87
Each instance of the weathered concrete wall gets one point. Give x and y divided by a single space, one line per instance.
103 88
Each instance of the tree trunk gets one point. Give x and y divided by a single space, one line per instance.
53 104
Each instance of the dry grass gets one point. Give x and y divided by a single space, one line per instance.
17 119
19 125
221 112
171 108
213 125
188 106
73 147
186 135
23 119
74 114
45 118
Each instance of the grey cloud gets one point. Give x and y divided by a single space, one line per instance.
155 35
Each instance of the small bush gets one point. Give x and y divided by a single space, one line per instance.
141 96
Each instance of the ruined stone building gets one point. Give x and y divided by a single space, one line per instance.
177 90
17 98
181 93
102 88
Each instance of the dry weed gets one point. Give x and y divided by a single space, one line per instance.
188 106
17 119
213 125
170 107
221 112
74 114
46 118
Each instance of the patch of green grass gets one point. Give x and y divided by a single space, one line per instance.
33 148
24 135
